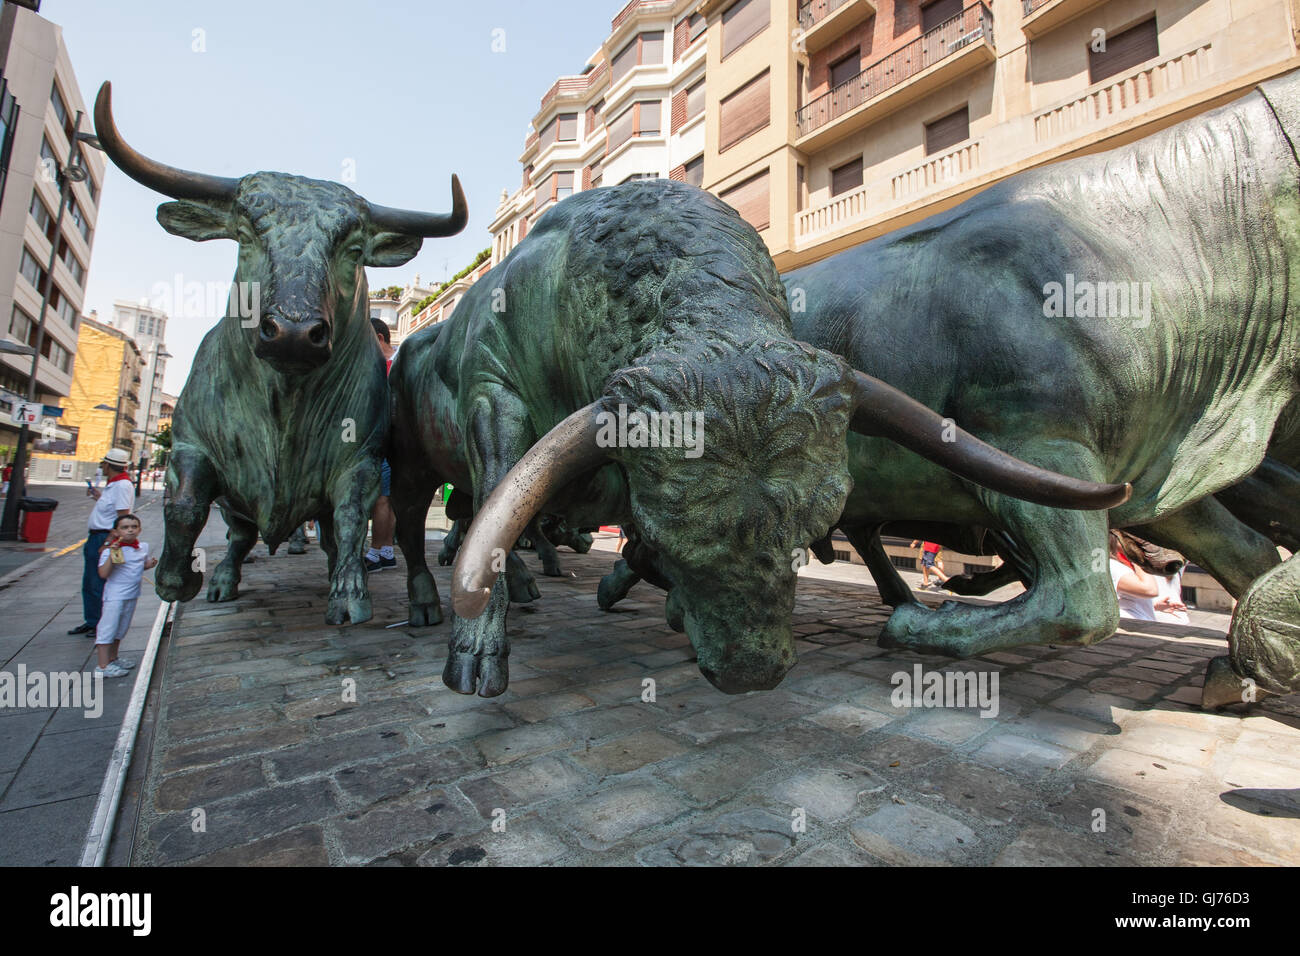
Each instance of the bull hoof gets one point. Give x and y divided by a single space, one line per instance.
181 587
424 615
467 672
1223 687
447 554
522 586
296 548
552 569
607 592
224 585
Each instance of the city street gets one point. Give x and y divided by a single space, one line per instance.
283 741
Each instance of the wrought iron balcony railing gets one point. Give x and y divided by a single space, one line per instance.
973 24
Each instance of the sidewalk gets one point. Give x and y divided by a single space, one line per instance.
52 760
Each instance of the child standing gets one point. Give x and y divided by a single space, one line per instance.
123 559
930 564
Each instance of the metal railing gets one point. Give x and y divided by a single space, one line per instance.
972 25
815 11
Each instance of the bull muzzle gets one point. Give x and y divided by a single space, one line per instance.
292 344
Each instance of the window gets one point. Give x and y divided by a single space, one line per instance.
22 326
91 187
695 100
31 270
1124 51
553 188
596 171
59 357
742 22
696 26
695 172
846 67
948 131
750 199
60 109
686 32
44 221
139 325
846 177
563 185
639 119
939 12
562 129
70 260
594 116
745 111
75 214
635 177
646 48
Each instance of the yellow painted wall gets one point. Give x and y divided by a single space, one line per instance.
96 378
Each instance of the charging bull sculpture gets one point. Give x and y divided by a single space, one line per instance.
648 308
1130 314
1183 392
285 412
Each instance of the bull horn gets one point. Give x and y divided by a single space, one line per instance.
566 451
426 224
168 180
882 410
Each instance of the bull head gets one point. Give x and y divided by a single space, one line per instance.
303 242
730 526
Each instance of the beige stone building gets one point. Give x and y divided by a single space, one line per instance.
831 122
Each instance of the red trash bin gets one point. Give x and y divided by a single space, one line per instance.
34 527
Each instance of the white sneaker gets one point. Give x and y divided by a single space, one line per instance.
112 670
125 663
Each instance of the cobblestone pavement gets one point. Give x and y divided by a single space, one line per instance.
1097 755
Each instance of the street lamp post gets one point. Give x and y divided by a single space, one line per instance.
67 175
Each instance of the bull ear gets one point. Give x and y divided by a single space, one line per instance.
392 249
199 221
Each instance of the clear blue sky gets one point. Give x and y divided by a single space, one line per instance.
411 91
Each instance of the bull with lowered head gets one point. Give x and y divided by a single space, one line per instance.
285 412
654 301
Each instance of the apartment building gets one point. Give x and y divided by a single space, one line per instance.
878 114
100 409
635 111
440 308
147 326
39 104
827 123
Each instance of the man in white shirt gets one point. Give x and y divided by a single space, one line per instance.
115 499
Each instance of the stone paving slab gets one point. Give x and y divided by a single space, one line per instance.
283 741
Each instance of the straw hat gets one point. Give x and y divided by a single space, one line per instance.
118 457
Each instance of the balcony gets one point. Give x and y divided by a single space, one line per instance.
929 62
1044 15
824 21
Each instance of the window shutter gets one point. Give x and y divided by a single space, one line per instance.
947 131
745 111
846 177
695 100
751 200
1124 51
652 48
846 67
648 125
568 127
742 22
679 110
939 12
622 128
694 172
624 60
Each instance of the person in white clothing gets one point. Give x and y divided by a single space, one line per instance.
123 560
115 499
1134 588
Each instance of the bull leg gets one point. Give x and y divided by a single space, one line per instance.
520 582
545 550
616 585
191 487
353 496
298 541
866 541
824 550
497 436
1207 532
242 535
411 500
983 582
451 543
1072 600
1264 638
